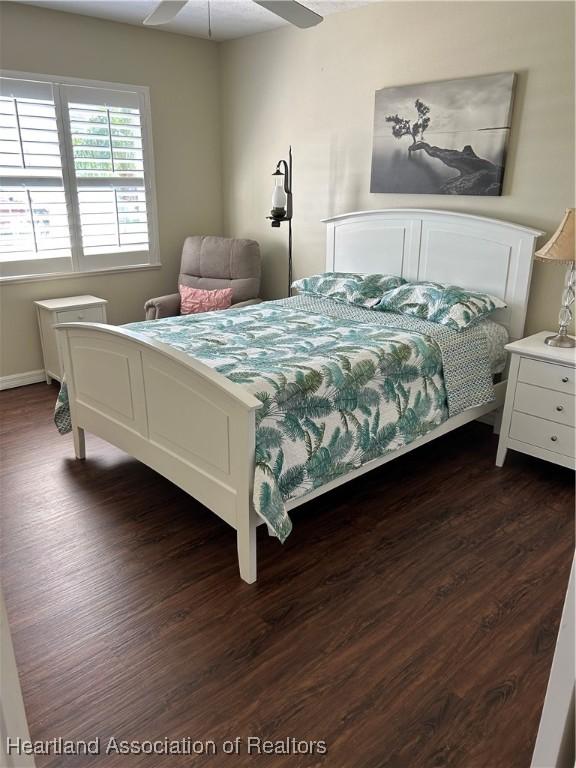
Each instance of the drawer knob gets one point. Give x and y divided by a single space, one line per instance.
554 438
565 379
559 407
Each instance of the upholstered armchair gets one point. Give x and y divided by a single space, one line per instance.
210 263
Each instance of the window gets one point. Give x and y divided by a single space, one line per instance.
76 181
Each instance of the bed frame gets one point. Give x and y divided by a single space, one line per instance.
197 428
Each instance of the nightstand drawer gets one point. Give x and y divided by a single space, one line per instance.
543 433
81 315
549 375
546 403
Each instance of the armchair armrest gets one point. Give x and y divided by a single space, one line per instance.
163 306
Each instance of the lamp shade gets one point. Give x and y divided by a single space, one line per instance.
279 196
560 247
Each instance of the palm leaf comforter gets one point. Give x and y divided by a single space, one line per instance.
339 385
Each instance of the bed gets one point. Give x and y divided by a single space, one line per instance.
208 418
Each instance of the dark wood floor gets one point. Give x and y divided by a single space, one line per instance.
409 621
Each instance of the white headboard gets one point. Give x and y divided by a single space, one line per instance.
470 251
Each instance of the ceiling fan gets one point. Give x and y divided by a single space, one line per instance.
289 10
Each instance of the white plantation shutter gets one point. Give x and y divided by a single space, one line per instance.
34 221
107 145
76 184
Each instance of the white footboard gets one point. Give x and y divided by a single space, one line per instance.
175 414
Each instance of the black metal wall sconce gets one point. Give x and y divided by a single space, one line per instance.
282 204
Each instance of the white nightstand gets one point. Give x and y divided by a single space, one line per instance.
538 416
71 309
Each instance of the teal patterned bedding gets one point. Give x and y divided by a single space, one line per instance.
339 385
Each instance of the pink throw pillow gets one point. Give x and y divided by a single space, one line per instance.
194 300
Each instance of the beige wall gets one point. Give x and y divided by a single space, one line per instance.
315 89
182 74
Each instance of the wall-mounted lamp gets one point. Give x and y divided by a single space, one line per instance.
282 204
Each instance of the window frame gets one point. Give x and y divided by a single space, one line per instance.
81 264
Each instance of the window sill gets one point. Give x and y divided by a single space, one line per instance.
64 275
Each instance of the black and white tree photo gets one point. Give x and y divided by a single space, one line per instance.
446 138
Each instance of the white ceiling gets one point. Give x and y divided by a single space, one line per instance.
230 18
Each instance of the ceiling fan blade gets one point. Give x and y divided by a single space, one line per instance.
292 11
164 12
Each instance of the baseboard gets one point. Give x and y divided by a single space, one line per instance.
22 379
488 418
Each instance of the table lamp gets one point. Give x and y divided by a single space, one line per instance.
560 249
